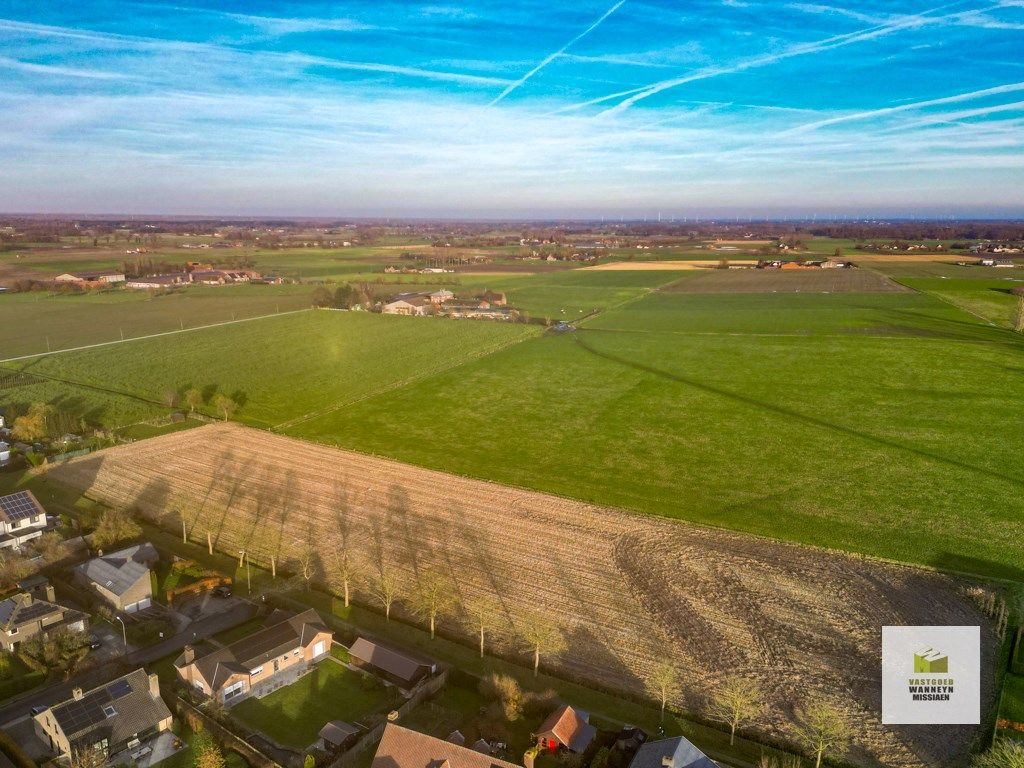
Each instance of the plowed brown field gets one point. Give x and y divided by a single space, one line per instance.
627 590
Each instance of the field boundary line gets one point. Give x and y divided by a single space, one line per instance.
486 352
153 335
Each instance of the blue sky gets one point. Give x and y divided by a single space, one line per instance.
709 107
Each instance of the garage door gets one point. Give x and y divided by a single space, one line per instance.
131 608
145 603
319 649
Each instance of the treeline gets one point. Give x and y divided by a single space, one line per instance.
345 296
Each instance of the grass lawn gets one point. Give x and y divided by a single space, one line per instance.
16 677
294 715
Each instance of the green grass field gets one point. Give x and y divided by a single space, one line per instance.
32 323
278 368
293 716
1013 699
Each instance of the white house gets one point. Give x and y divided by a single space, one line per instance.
21 518
5 453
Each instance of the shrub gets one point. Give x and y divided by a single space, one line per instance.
540 703
505 690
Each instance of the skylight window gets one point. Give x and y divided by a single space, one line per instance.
109 711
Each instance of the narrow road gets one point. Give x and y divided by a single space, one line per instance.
57 692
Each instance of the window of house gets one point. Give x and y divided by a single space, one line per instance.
256 671
13 631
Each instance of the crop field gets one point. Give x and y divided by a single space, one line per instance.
990 299
621 588
280 368
785 281
32 323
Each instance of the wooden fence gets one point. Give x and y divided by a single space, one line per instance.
226 738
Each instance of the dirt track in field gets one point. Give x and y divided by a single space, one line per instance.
627 590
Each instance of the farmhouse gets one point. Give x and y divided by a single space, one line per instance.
399 668
113 718
993 262
25 615
494 298
402 748
671 753
266 660
566 727
122 579
99 277
22 518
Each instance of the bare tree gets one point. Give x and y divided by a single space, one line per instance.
193 399
305 558
170 398
225 406
1018 315
88 757
386 589
663 682
433 596
346 570
823 730
483 614
543 634
736 702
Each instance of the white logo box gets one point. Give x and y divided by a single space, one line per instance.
944 698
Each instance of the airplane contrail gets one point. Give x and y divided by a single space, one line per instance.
556 54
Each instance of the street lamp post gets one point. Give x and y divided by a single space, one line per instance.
124 634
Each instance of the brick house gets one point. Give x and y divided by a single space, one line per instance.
269 658
121 579
112 718
25 615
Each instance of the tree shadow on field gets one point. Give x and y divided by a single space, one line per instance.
208 392
976 566
410 545
240 397
595 658
793 415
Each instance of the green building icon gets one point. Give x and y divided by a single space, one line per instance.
929 660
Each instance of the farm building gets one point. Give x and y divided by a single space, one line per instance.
415 304
158 281
402 748
494 298
269 658
671 753
24 615
122 579
113 718
390 664
566 727
98 277
22 517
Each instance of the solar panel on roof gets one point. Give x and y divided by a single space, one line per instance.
118 689
18 506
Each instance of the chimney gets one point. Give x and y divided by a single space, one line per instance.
529 757
76 694
154 686
50 596
668 760
190 654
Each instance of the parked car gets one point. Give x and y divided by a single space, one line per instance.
222 591
95 642
37 710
